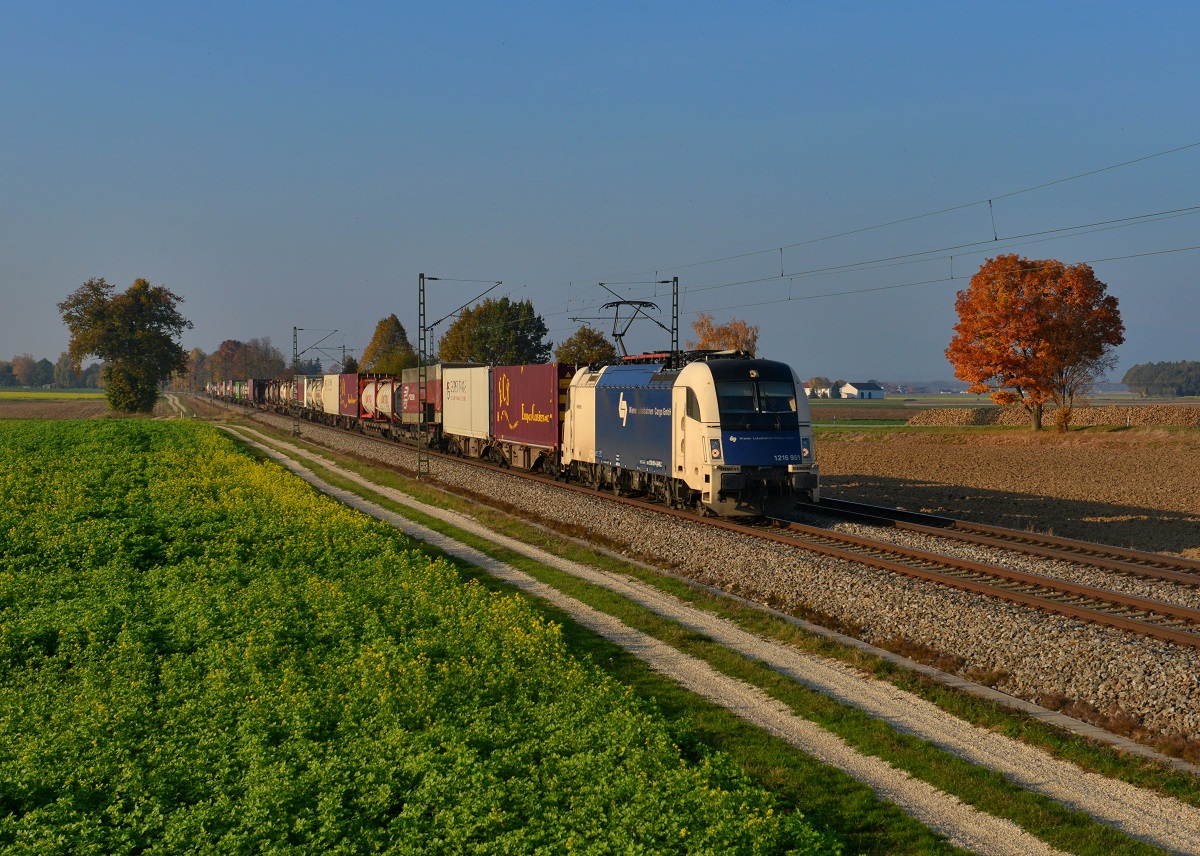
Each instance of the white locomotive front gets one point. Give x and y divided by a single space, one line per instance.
727 434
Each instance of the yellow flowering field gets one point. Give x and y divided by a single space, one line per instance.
199 653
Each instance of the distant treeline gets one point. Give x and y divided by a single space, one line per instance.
24 370
236 360
1164 379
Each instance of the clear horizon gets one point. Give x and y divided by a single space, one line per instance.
294 165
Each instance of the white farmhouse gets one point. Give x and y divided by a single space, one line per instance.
861 390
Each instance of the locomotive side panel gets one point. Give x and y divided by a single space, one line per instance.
633 419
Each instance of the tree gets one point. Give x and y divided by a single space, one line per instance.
23 367
1169 379
65 377
93 376
350 365
497 332
134 332
1032 331
7 378
308 367
43 374
816 384
588 345
736 335
389 351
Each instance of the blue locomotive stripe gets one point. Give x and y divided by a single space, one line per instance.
761 448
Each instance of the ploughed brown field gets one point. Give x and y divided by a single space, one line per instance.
1134 488
53 408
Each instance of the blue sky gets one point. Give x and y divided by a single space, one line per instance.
300 164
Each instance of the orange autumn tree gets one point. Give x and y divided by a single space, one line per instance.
736 335
1032 331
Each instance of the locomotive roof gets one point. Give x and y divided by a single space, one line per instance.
747 369
638 374
660 375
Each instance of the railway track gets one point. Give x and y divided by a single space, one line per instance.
1168 622
1137 563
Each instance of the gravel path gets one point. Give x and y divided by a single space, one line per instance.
1139 813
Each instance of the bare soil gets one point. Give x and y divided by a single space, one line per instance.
52 408
1138 488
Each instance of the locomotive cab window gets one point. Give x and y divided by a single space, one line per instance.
736 396
776 397
762 404
693 404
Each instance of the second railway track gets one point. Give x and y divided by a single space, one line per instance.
1137 563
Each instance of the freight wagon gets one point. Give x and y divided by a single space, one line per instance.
724 433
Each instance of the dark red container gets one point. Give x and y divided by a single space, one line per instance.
528 403
348 395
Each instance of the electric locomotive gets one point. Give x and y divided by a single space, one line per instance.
726 434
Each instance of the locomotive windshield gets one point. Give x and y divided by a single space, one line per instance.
750 404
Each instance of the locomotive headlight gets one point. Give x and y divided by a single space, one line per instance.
714 449
805 448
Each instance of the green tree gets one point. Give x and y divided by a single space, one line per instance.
65 377
43 372
588 345
1166 379
497 332
7 378
389 351
93 376
134 332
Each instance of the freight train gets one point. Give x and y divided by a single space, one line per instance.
715 431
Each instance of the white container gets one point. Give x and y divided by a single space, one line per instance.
329 394
467 401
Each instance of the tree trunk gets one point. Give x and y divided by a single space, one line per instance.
1035 416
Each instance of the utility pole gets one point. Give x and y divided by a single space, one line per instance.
676 357
422 390
295 383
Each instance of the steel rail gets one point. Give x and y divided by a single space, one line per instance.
1176 569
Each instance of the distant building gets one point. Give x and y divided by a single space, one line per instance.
861 390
